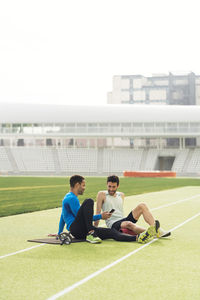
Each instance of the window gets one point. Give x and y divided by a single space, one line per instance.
81 124
92 125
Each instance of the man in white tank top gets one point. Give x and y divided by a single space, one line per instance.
112 199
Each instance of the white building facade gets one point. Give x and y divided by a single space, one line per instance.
166 89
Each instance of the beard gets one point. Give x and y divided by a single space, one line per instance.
112 192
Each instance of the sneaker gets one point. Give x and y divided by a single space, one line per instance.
93 238
147 235
162 233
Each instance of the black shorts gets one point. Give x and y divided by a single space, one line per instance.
117 224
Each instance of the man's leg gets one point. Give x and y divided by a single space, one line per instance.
145 237
142 209
133 227
128 223
82 224
112 233
132 218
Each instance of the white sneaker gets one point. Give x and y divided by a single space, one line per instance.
162 233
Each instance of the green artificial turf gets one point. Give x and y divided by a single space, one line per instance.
166 269
48 192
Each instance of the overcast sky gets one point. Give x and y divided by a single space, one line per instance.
67 51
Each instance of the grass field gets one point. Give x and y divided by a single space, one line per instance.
26 194
163 269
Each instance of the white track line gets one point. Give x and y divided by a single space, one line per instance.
77 284
20 251
178 201
152 209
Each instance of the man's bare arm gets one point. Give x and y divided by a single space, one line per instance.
122 195
99 203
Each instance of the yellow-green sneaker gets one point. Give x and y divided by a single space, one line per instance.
144 237
147 235
93 238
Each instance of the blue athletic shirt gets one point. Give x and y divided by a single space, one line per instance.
70 207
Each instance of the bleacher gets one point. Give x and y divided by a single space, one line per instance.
34 160
77 160
117 160
67 161
180 159
194 162
5 164
150 160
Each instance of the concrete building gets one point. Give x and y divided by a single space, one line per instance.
158 89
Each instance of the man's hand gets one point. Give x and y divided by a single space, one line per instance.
53 234
106 215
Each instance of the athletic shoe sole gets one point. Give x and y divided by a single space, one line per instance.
93 242
166 234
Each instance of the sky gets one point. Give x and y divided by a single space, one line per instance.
67 51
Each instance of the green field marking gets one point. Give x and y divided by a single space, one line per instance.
21 251
31 187
30 273
15 181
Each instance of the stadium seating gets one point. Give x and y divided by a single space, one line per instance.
5 165
81 160
34 160
193 164
102 161
118 160
180 160
150 160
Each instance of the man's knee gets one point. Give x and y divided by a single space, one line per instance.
128 225
88 202
131 225
142 206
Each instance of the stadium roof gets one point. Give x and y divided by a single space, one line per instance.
43 113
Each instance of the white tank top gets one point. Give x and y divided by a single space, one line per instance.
115 202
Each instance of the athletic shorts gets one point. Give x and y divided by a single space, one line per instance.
117 224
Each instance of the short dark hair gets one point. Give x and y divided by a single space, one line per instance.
76 179
113 178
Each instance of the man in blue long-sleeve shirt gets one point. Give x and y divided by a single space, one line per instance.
78 219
